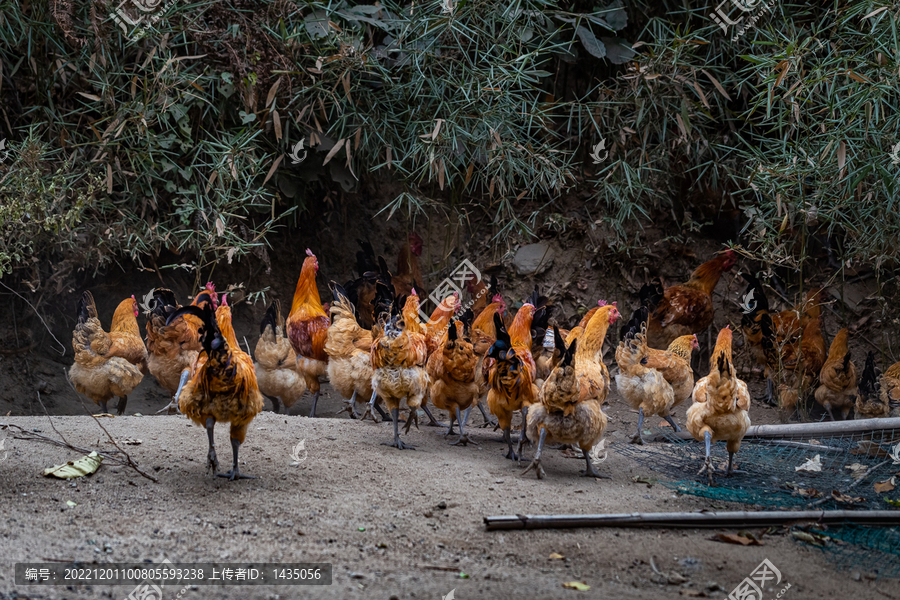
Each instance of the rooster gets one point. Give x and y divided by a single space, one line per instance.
592 373
398 361
452 374
172 349
223 386
307 327
568 412
511 376
837 389
276 362
349 349
107 364
721 405
653 381
871 404
688 308
483 335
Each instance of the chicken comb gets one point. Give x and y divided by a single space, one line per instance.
497 298
224 300
309 253
210 286
413 292
601 302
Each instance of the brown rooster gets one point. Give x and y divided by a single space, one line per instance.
398 361
173 349
307 328
452 375
568 412
721 405
688 308
511 377
837 389
107 364
223 385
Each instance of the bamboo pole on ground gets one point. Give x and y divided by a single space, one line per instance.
801 430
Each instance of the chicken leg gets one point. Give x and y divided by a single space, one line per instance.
312 411
212 463
463 438
707 466
174 403
590 471
432 422
450 429
507 438
536 462
672 423
235 473
276 404
637 438
523 437
120 407
395 417
731 470
103 409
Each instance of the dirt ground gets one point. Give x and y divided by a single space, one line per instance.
373 512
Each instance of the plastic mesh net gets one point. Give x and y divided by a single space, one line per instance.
852 471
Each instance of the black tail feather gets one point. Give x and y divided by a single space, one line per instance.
271 318
869 385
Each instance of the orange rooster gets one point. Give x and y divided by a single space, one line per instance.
107 364
511 377
398 360
688 308
568 413
452 375
653 381
307 328
592 373
173 349
223 385
276 363
838 378
483 335
721 405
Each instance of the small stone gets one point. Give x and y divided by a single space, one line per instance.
856 576
533 259
442 505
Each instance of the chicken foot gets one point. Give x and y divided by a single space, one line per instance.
235 473
672 423
590 471
637 438
103 409
731 470
395 417
276 404
351 407
536 462
707 465
463 438
488 420
212 463
185 374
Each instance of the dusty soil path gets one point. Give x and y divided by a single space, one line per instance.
349 482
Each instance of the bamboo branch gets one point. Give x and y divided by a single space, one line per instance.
695 519
809 429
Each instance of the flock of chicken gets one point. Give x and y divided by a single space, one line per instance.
374 347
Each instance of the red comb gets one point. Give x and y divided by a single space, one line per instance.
224 299
601 302
413 292
309 253
210 286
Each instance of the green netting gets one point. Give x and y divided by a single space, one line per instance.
851 466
